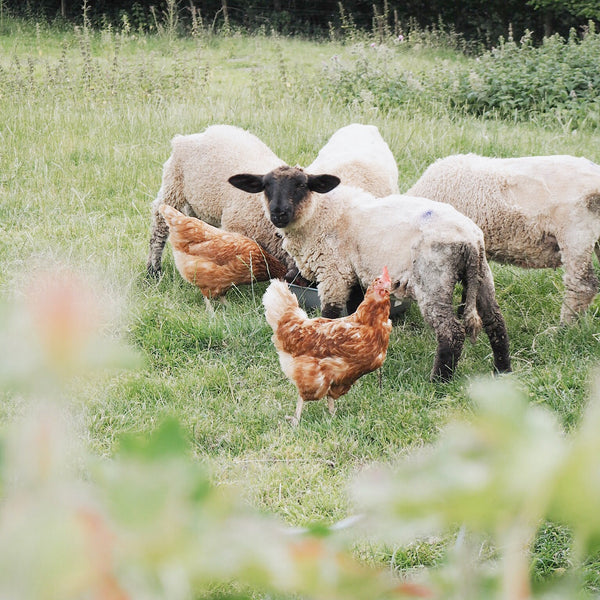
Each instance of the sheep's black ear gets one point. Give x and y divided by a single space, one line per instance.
322 183
253 184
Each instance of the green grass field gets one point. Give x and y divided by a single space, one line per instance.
85 126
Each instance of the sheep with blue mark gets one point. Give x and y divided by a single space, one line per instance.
342 236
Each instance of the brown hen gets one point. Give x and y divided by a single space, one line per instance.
213 259
324 357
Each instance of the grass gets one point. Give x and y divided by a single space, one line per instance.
87 119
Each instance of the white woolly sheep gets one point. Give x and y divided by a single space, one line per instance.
346 236
195 182
360 157
536 212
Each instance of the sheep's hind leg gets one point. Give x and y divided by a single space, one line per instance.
447 355
450 335
494 324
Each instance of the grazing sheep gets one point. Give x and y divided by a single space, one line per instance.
359 156
345 236
195 182
536 212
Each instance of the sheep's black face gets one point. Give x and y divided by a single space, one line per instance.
285 189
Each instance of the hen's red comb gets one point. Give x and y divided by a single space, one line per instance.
385 276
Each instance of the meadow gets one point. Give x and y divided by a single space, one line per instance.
86 119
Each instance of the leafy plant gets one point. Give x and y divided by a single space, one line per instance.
559 80
497 476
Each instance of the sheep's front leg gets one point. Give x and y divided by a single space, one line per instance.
333 294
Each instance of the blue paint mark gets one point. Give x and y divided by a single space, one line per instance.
427 215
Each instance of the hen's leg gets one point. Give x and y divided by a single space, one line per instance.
331 405
296 418
209 307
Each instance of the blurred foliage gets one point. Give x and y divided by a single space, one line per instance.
147 523
497 478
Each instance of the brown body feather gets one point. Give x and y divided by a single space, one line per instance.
213 259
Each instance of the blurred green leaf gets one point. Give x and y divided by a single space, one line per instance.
167 440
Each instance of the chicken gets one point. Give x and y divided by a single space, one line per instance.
213 259
324 357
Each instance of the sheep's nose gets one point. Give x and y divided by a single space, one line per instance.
279 219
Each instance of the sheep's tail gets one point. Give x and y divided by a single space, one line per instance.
473 269
279 301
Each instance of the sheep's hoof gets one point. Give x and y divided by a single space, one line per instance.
441 375
154 272
293 421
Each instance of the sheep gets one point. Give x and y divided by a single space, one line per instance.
535 212
194 181
360 157
346 235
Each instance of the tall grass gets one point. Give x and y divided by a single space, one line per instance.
87 117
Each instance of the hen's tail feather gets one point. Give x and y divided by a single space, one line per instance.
169 213
277 301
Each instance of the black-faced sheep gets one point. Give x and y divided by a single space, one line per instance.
538 211
345 237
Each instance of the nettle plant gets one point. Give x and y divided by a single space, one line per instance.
558 80
555 83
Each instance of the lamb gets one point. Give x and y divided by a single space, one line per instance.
346 236
535 212
194 181
360 157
